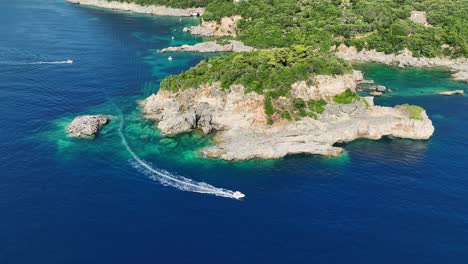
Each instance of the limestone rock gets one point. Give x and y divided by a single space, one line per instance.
238 121
419 17
226 27
86 125
405 59
454 92
150 9
211 46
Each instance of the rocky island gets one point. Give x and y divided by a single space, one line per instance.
275 118
86 126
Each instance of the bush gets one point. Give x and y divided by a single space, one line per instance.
346 97
414 111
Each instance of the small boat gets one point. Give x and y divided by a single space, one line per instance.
238 195
173 38
69 61
170 58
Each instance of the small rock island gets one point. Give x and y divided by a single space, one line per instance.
86 126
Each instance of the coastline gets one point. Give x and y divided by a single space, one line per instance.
404 59
238 124
150 9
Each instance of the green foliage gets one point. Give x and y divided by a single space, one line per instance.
269 72
380 24
269 110
299 103
346 97
373 24
317 106
270 122
414 111
286 115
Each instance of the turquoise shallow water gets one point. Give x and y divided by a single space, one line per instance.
75 201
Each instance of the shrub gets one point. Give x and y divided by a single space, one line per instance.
346 97
414 111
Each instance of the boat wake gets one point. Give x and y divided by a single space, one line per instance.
168 179
53 62
37 62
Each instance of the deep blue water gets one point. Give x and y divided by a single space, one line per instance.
75 201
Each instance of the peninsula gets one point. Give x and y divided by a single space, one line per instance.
289 87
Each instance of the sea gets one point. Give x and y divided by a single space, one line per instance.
133 196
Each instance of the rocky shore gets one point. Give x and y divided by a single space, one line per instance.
86 126
226 27
237 120
405 59
150 9
211 46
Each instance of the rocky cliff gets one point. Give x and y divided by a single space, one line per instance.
237 120
150 9
226 27
404 59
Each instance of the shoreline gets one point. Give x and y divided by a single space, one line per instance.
459 67
132 7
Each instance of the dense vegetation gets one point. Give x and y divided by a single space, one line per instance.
380 24
269 72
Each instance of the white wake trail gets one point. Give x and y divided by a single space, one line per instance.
168 179
36 63
53 62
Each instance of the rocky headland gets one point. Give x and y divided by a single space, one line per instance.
238 122
227 26
86 126
211 46
150 9
404 59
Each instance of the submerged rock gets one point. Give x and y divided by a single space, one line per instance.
86 125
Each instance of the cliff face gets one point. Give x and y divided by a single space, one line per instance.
153 10
226 27
238 120
405 59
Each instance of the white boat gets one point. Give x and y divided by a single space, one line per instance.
170 58
238 195
69 61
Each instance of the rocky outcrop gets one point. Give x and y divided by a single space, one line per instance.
211 46
150 9
226 27
86 125
454 92
419 17
405 59
325 86
238 121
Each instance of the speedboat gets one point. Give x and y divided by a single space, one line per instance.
69 61
238 195
170 58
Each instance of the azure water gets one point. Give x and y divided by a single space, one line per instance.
76 201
